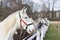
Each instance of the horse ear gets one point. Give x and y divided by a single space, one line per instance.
25 9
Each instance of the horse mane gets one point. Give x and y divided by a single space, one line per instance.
8 23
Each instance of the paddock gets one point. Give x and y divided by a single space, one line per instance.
53 32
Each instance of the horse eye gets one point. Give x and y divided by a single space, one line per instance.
25 17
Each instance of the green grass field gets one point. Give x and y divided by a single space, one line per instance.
53 32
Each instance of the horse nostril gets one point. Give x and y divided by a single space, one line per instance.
29 30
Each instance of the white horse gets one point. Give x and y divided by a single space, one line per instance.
40 33
44 28
18 19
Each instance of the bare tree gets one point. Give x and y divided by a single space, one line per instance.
45 8
53 5
47 4
1 8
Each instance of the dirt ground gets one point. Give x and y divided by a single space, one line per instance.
55 22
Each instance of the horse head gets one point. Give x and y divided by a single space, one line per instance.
25 21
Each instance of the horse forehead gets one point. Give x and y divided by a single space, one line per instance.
23 15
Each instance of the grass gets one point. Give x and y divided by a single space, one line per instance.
53 33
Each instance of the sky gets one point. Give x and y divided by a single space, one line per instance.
38 4
37 1
57 4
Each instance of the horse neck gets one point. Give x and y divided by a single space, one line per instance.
8 23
